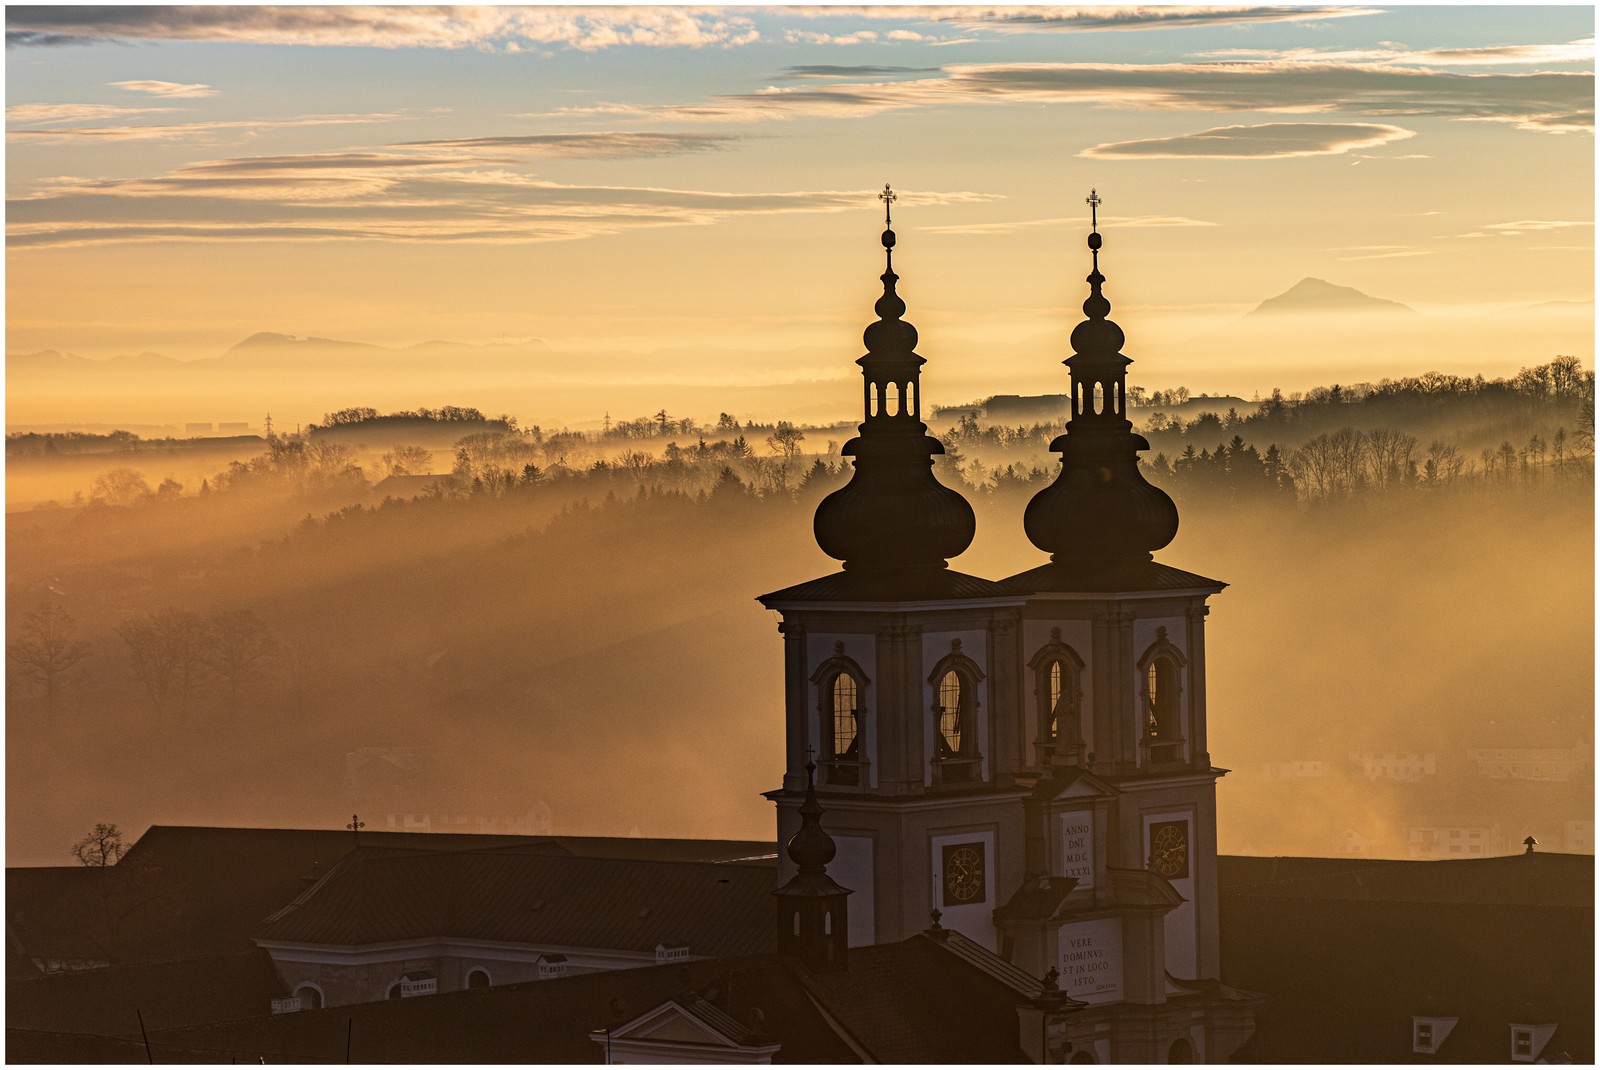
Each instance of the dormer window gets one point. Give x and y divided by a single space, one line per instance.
1427 1034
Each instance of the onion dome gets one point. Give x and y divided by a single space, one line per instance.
811 848
1100 512
893 514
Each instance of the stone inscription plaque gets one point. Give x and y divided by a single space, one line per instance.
1091 960
1077 848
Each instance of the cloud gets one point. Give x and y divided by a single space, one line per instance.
75 113
1389 255
834 71
1579 51
1523 226
1549 101
436 26
1120 223
384 196
809 37
169 131
1012 19
612 143
1261 142
166 89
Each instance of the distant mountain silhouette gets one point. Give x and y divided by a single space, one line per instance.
1318 295
265 343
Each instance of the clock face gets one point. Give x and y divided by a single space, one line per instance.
963 873
1169 849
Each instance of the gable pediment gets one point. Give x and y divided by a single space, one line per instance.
1082 784
671 1023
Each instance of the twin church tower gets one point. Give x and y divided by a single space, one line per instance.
1025 760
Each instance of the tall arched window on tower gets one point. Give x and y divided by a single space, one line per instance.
841 717
955 705
1058 697
955 680
844 738
1161 684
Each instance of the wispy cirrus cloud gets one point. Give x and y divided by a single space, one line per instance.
166 89
435 26
1265 141
1386 252
597 144
1119 222
76 113
383 196
1546 101
1018 19
1578 51
1523 226
845 72
171 131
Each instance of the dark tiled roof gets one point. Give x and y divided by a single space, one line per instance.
916 1002
379 894
55 912
187 890
1347 951
1143 576
171 994
1533 880
933 585
535 1022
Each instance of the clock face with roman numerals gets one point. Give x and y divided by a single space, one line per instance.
963 873
1169 848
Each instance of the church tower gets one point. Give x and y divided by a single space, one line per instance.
1120 892
1026 757
900 674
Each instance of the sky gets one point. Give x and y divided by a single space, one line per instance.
685 178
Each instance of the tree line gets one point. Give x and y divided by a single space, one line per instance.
171 653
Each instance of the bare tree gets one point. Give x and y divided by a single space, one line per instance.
1389 457
408 461
120 486
303 667
102 847
46 648
167 650
784 442
237 648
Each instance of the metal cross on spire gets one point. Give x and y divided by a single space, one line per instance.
888 197
1094 202
356 825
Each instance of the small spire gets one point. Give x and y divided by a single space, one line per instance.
888 197
811 848
937 931
1530 843
893 515
1096 307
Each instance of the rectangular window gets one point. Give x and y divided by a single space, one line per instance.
1424 1036
1522 1044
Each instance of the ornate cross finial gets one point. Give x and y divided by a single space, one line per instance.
356 825
888 197
1094 202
